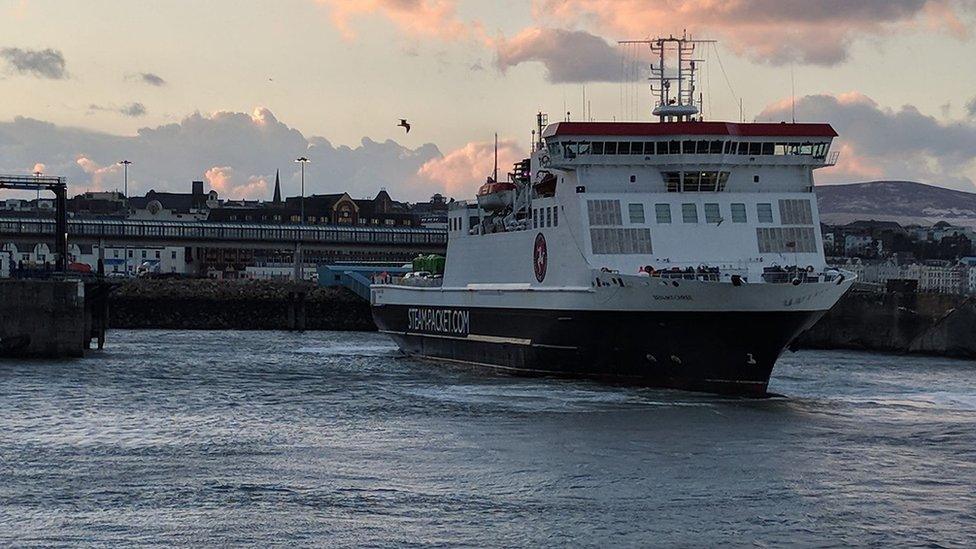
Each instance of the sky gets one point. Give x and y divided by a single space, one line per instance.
231 92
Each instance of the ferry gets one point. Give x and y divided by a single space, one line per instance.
678 252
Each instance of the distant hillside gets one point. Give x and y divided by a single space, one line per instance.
904 202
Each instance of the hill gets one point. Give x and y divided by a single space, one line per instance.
904 202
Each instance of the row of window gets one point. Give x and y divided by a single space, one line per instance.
572 149
219 231
694 182
786 239
544 217
621 241
607 212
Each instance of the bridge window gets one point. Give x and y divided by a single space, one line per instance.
623 147
610 148
597 147
689 213
649 147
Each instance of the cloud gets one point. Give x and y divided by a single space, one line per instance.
40 63
772 31
133 110
877 142
149 78
101 178
244 148
416 18
228 185
569 56
461 171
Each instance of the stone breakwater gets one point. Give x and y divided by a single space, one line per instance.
933 324
235 305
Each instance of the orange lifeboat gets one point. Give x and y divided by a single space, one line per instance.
496 195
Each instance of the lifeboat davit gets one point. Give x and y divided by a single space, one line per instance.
496 195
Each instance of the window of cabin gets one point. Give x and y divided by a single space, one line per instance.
703 147
633 179
728 147
637 148
743 148
662 212
688 147
623 147
767 148
535 218
674 147
555 216
636 212
715 147
764 212
649 147
755 149
712 213
610 147
692 182
738 212
689 213
597 147
662 147
755 179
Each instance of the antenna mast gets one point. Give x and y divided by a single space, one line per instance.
680 51
495 173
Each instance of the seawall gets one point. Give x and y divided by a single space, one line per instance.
937 324
43 318
236 305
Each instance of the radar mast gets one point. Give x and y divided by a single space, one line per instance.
676 68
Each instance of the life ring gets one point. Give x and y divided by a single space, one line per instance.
810 268
544 161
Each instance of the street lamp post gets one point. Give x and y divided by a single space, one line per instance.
125 190
299 261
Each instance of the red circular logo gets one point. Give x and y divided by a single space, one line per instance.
540 257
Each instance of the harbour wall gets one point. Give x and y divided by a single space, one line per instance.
203 304
898 322
43 318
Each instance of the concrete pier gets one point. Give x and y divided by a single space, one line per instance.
43 318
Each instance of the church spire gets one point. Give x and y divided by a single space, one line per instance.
277 191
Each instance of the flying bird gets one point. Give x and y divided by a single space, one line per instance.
404 124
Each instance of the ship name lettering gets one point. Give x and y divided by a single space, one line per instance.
438 321
677 297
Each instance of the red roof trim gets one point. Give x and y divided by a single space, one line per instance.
642 129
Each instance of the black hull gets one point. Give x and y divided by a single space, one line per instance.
717 352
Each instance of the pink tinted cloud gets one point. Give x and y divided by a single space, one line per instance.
877 142
229 185
460 172
773 31
417 18
100 178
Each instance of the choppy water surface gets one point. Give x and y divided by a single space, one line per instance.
325 439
